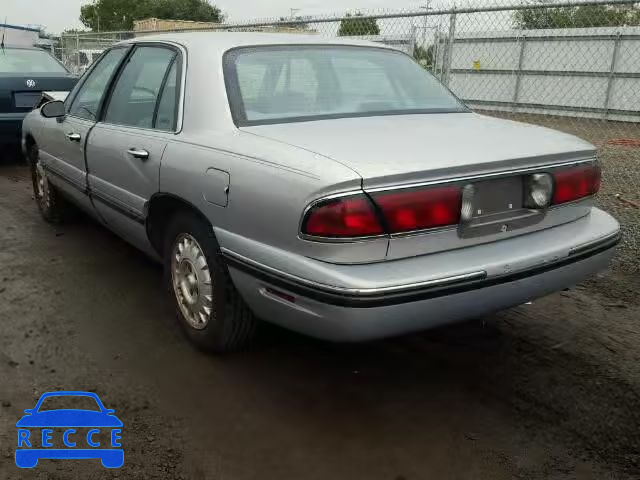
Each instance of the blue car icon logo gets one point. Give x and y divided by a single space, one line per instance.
63 433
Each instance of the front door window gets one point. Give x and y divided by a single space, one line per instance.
86 103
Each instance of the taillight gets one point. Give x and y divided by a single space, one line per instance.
402 211
405 211
352 216
575 183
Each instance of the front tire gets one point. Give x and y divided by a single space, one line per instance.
210 310
53 207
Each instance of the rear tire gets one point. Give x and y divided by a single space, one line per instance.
52 205
210 310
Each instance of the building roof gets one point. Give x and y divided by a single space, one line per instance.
18 27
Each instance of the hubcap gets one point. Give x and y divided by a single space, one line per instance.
191 279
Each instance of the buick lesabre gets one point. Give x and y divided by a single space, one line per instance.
330 186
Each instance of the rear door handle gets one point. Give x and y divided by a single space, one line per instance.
142 154
74 137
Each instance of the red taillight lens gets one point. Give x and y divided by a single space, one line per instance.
343 217
420 209
575 183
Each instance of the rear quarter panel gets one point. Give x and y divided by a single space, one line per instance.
269 187
32 123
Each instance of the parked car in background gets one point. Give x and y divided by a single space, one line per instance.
333 187
24 74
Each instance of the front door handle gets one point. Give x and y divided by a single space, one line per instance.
74 137
142 154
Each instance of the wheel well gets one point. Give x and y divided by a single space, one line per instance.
29 140
161 210
25 148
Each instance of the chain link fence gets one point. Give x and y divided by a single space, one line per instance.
571 66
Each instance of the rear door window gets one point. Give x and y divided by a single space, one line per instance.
167 110
137 91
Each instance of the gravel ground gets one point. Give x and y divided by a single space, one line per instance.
549 390
620 172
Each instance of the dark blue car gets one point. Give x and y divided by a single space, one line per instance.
31 449
25 72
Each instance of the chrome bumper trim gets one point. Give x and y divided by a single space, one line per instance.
398 294
612 239
362 292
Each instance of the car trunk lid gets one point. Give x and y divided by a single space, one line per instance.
399 149
21 92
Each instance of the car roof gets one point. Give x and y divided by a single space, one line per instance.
24 47
223 41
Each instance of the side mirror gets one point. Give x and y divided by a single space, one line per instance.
109 411
29 411
54 109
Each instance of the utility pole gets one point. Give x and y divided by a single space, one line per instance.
97 12
293 12
426 8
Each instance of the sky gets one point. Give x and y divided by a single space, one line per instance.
59 15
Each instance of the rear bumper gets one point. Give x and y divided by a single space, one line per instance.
366 301
11 127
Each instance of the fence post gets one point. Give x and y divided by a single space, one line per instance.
516 91
77 53
435 53
612 71
449 50
63 53
414 39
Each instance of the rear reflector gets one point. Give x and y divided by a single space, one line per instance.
575 183
282 295
420 209
352 216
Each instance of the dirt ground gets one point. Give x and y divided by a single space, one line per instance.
548 390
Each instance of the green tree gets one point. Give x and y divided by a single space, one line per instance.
577 17
108 15
354 26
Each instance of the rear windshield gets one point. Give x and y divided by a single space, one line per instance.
296 83
19 60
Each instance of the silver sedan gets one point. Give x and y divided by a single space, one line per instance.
333 187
